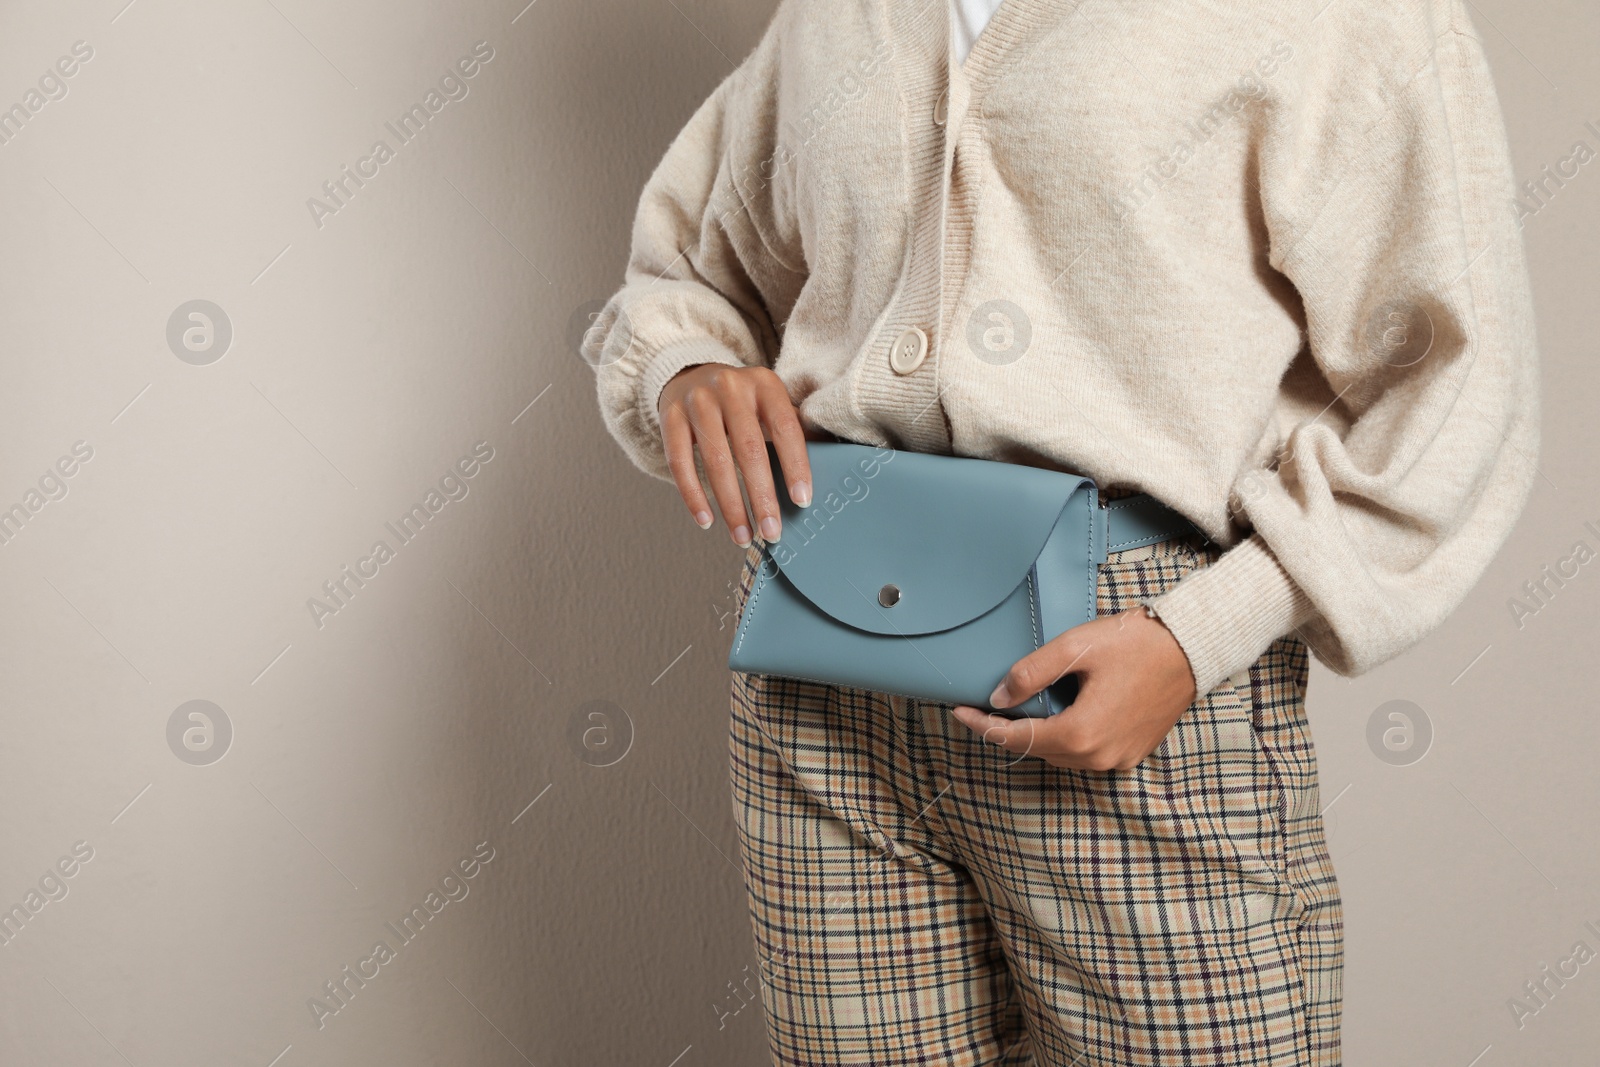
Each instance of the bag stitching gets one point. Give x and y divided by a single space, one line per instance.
1033 595
1038 634
1091 594
749 606
1116 545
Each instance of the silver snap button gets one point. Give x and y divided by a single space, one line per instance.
889 596
909 350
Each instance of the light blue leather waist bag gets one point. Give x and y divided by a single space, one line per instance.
929 576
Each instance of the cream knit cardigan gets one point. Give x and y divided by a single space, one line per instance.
1257 258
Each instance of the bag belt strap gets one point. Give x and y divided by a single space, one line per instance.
1141 519
1124 522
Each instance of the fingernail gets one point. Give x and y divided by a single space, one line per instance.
741 536
770 528
800 493
1001 697
703 519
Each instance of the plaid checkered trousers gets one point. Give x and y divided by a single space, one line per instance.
922 897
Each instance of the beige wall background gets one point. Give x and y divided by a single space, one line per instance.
533 688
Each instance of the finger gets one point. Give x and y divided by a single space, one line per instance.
1042 667
706 408
1013 735
749 446
678 439
788 439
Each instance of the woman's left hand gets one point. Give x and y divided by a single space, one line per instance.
1134 683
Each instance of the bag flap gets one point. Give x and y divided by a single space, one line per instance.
952 536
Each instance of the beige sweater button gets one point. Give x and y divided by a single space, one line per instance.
909 350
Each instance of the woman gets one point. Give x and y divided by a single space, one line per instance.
1255 259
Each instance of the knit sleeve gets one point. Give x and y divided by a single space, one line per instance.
1386 191
709 277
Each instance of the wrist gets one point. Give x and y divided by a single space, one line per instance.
1225 614
673 361
1175 659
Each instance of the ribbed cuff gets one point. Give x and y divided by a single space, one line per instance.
1226 614
668 362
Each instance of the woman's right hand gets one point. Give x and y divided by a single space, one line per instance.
730 413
